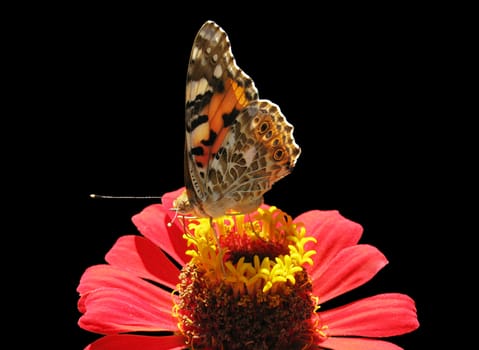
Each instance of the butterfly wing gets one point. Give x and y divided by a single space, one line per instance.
259 150
216 91
236 146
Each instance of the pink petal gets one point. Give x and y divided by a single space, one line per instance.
357 344
141 257
112 311
383 315
332 231
106 276
129 342
114 301
153 222
350 268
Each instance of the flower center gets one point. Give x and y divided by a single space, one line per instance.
245 286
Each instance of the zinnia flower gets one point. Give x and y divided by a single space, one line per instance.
257 281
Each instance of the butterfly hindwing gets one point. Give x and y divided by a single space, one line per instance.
258 152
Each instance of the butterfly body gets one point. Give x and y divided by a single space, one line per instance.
236 145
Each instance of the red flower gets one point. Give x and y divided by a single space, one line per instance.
137 291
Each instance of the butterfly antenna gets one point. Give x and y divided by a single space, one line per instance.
169 224
102 196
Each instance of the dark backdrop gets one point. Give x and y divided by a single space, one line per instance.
359 85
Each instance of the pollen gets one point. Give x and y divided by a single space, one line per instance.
246 286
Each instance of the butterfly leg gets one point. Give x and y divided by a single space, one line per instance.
217 241
253 229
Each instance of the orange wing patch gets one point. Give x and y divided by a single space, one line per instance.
221 112
225 107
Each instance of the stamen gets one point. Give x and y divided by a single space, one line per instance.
261 253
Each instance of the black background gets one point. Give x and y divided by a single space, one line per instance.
361 86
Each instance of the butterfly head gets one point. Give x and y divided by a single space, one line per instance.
182 204
189 208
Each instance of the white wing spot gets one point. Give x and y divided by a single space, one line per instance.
216 38
218 72
249 155
196 87
200 133
195 52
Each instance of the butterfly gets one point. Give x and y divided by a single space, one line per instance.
236 145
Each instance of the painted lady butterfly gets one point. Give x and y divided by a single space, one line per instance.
237 146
